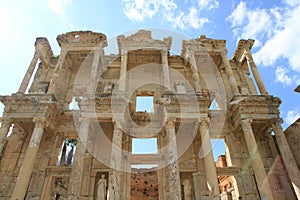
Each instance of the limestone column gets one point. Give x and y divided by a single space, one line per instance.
194 70
78 165
165 69
28 75
94 73
123 70
255 72
115 163
229 73
209 164
26 169
5 125
59 65
172 157
288 159
257 163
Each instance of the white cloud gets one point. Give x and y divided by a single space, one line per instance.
58 6
292 116
208 4
276 32
283 43
187 20
281 75
139 10
247 23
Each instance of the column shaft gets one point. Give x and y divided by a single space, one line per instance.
288 158
172 157
28 162
28 75
194 70
257 163
122 79
115 164
209 164
229 73
94 73
5 125
59 65
165 69
77 170
260 83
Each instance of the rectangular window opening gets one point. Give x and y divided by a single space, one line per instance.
218 147
144 145
144 104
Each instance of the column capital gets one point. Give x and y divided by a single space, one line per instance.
246 122
40 122
5 121
204 121
276 123
170 122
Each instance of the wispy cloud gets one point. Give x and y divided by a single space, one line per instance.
139 10
276 31
282 76
208 4
58 6
292 116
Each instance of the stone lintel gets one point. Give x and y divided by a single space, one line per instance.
228 171
242 46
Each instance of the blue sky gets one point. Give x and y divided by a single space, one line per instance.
273 24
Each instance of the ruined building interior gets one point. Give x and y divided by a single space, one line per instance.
68 132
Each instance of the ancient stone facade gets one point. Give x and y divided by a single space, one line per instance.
51 151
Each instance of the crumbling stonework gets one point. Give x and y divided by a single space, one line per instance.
86 96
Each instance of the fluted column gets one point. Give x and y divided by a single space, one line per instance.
260 83
229 73
209 164
78 165
287 155
172 157
29 160
194 71
122 78
115 163
59 65
257 163
165 69
5 125
28 75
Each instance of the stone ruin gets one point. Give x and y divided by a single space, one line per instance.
69 134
